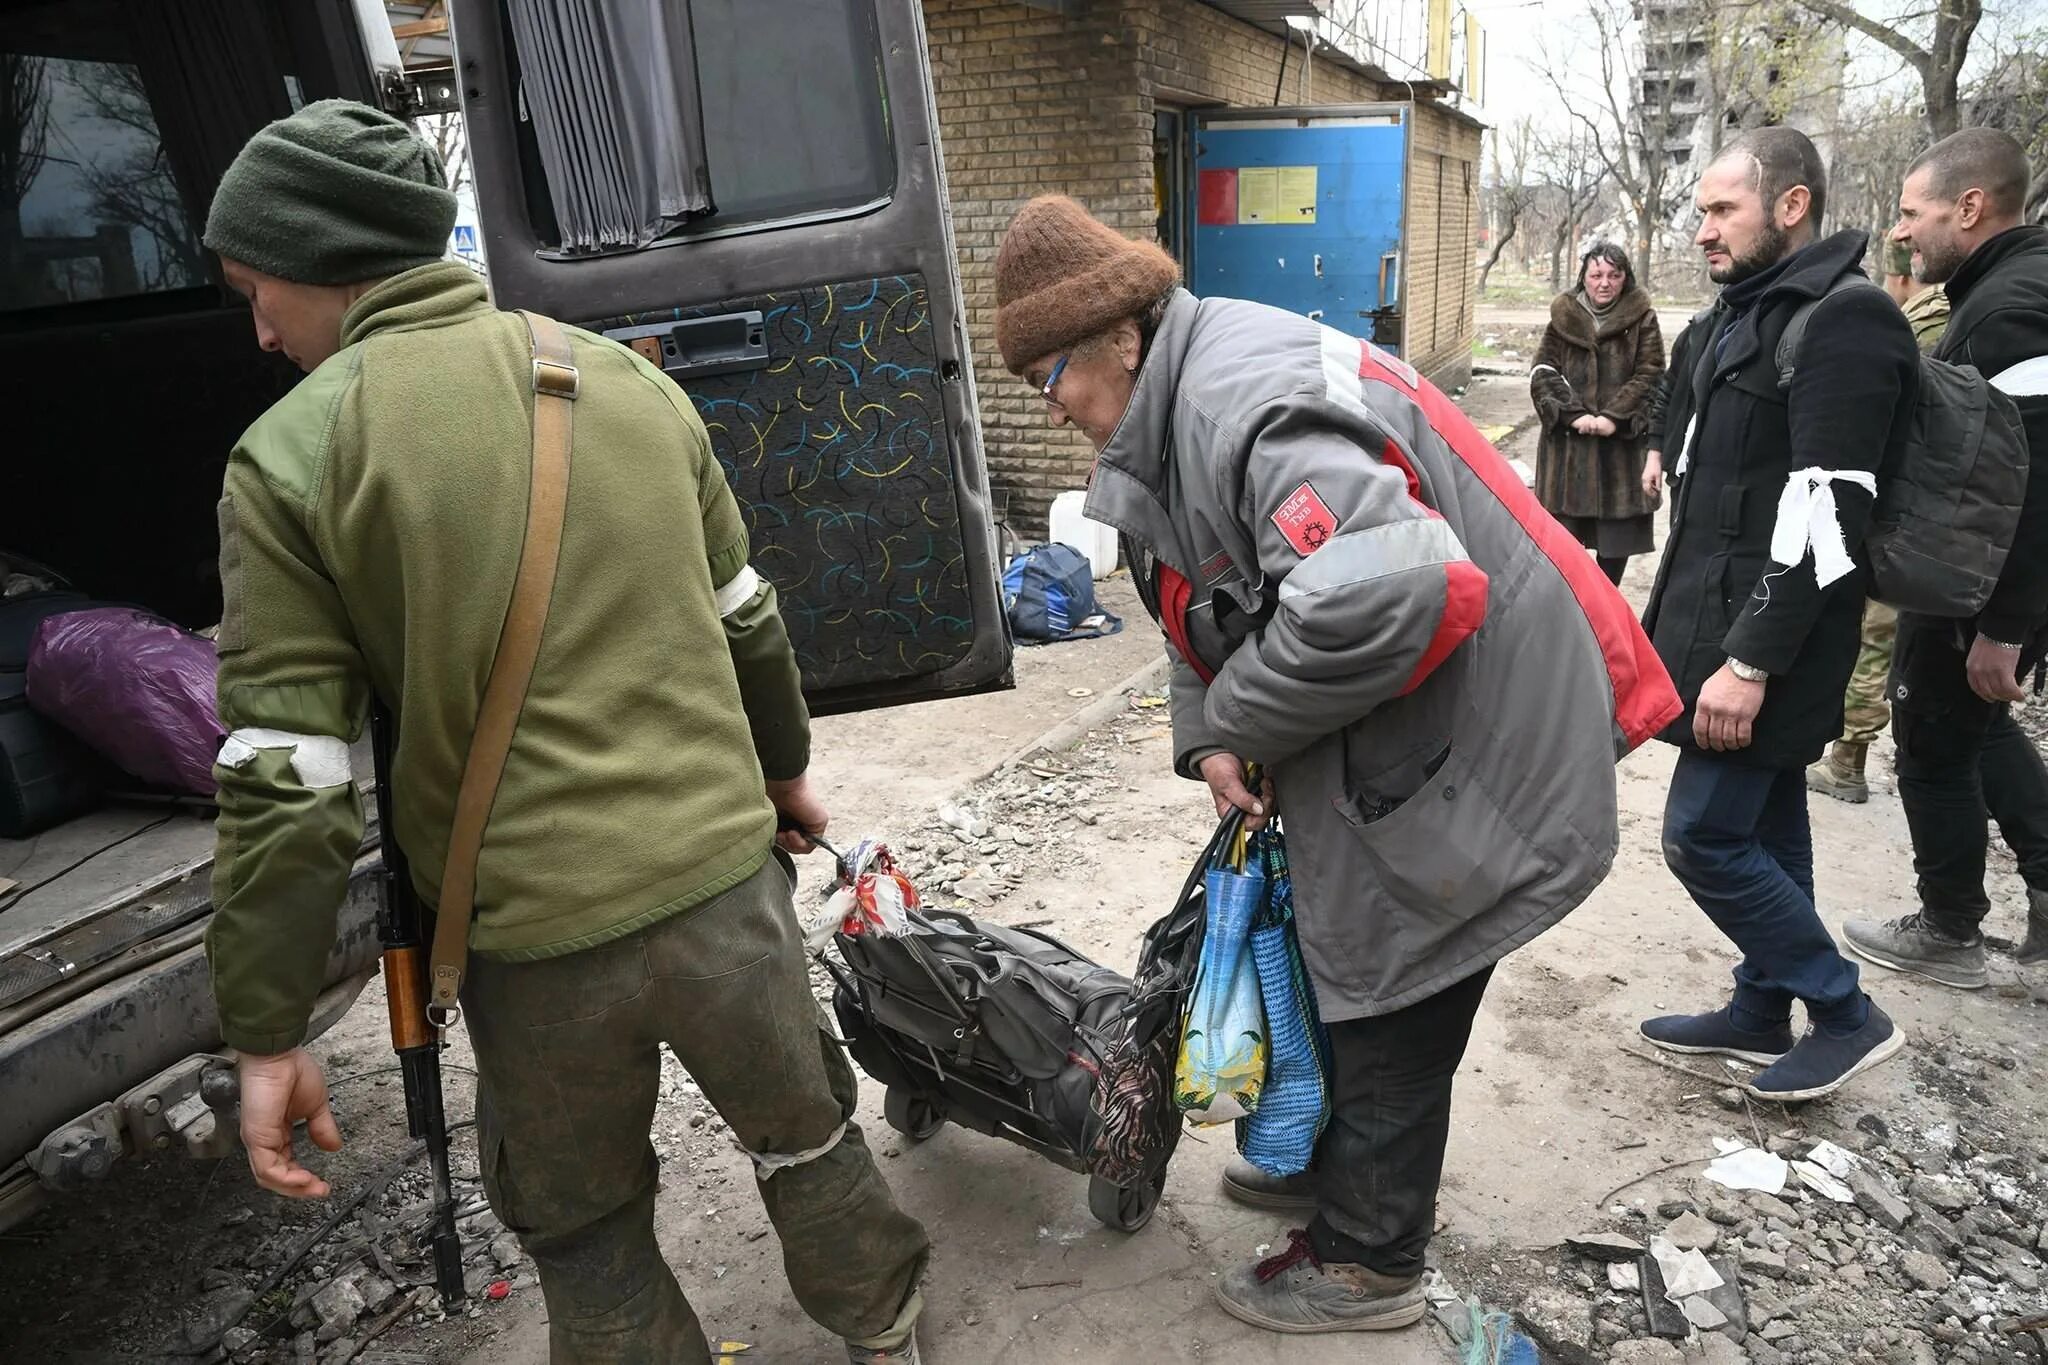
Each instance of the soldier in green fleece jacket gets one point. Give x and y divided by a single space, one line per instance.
629 892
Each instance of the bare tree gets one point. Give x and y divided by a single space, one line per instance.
24 132
1627 121
1573 178
1938 61
2013 95
130 178
445 134
1511 190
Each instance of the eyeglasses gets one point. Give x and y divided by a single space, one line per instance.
1059 367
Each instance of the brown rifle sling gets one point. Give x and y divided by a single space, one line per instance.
555 385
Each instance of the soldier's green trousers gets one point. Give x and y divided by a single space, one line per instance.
567 1054
1865 711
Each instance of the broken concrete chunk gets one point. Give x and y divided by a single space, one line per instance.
1701 1313
1945 1194
1876 1199
377 1292
1604 1246
1645 1351
337 1307
1692 1233
1769 1264
505 1251
1718 1350
1772 1207
1624 1277
223 1307
1924 1271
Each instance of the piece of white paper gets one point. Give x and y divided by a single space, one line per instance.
1685 1272
1821 1183
1749 1168
1728 1146
1836 1161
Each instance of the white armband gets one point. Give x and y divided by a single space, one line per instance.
1807 517
320 761
740 591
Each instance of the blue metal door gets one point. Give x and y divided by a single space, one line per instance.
1301 209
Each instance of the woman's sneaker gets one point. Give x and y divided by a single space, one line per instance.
1297 1292
1716 1033
1823 1062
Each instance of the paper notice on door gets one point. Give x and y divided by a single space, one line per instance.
1258 194
1297 194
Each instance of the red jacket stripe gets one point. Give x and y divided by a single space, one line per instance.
1644 699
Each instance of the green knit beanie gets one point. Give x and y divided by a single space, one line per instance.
336 194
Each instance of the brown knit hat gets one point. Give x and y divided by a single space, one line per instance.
1062 276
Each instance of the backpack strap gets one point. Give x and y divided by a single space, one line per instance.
555 385
1787 354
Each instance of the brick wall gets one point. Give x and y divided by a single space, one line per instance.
1438 296
1034 102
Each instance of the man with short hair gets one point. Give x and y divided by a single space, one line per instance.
1865 713
1953 683
628 892
1761 648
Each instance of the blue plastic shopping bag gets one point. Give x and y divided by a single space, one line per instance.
1280 1136
1222 1064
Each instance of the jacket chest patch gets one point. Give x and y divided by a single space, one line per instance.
1305 520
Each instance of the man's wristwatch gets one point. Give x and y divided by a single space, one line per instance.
1746 672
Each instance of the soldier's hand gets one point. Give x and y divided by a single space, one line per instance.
278 1091
799 805
1994 672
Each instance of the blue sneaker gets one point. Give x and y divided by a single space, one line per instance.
1716 1033
1823 1062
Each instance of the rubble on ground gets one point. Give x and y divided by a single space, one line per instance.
1936 1256
372 1273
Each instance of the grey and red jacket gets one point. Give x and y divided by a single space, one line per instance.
1359 592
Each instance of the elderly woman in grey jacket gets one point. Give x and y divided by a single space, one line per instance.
1359 595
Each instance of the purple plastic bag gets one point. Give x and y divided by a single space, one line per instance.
134 687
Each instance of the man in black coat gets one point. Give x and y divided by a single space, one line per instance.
1759 600
1953 682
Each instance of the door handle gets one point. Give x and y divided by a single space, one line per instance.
1389 261
728 343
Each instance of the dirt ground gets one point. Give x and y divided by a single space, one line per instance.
1557 1129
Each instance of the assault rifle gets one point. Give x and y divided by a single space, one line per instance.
402 932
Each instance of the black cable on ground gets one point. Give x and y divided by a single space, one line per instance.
19 892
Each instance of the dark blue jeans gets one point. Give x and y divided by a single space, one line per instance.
1737 839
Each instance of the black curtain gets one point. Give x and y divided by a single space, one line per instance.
215 73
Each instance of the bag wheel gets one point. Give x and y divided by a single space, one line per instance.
911 1114
1124 1207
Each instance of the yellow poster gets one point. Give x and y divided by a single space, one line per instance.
1258 195
1297 194
1437 55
